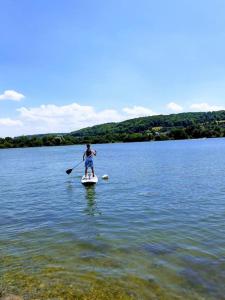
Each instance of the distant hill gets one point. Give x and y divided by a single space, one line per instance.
160 125
156 128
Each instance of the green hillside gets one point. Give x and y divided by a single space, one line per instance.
156 128
160 127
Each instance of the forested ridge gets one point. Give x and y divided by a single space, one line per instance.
152 128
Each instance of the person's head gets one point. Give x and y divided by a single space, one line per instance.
88 146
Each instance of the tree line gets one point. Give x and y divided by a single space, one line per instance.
153 128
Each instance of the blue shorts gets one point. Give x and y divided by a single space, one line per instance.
89 162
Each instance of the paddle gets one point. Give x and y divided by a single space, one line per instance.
70 170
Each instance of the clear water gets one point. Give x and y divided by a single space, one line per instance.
154 230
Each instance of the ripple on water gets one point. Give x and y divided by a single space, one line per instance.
160 249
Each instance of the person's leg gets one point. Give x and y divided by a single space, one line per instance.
86 170
93 172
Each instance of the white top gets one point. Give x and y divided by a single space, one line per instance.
89 179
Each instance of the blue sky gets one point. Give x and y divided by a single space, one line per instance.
78 63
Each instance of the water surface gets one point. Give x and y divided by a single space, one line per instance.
154 230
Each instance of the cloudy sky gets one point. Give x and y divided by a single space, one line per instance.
69 64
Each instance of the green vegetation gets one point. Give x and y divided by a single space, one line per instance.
51 282
156 128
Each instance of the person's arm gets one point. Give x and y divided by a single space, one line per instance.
94 152
84 155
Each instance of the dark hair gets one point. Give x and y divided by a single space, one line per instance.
88 145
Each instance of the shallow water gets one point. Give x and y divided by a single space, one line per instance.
154 230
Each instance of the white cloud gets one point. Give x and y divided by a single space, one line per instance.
11 95
206 107
174 107
66 118
138 111
53 118
10 122
10 127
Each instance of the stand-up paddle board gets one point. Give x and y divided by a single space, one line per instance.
89 180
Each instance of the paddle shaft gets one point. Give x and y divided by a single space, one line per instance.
70 170
77 165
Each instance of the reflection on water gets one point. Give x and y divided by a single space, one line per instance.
90 195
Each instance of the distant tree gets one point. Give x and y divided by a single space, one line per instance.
178 134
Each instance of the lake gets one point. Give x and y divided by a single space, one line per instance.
154 230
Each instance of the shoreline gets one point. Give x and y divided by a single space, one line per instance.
117 142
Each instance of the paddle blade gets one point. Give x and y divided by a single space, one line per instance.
69 171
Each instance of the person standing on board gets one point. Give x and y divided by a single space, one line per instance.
88 156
